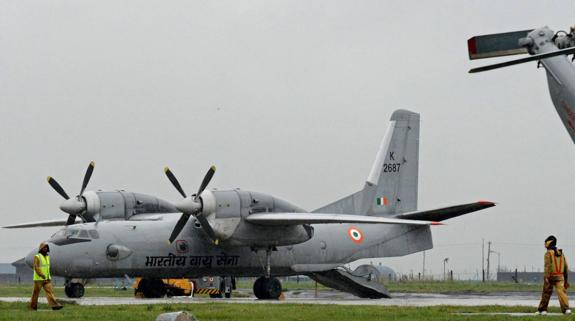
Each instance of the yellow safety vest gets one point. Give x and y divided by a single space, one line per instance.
44 268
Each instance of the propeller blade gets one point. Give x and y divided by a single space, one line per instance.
57 187
71 220
206 181
179 226
174 181
87 176
567 51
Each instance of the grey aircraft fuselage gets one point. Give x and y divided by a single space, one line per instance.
144 252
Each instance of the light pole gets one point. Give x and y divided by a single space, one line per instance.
445 260
498 260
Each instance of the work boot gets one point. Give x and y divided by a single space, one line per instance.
58 307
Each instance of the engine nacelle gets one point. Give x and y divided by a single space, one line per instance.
122 205
225 212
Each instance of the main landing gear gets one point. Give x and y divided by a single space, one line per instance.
74 290
267 287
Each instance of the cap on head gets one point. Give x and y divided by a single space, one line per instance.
550 241
42 245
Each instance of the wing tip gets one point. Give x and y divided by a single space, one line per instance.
486 203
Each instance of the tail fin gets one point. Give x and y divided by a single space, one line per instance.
391 187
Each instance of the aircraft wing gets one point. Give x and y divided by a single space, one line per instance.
321 218
139 217
446 213
42 223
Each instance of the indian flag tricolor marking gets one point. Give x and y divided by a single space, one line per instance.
355 234
382 201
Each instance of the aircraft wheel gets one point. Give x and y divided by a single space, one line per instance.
258 288
74 290
265 288
272 288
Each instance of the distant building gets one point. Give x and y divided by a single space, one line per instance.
23 273
524 277
387 273
7 273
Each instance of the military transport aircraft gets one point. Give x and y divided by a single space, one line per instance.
242 233
549 48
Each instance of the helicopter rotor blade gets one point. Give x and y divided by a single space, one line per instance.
561 52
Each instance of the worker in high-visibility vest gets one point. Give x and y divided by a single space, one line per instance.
43 279
555 275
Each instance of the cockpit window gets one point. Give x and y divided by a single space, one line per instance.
72 233
76 233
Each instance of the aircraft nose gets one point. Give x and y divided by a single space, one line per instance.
30 258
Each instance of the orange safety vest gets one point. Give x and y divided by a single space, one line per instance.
557 264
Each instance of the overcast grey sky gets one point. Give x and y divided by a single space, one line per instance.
286 97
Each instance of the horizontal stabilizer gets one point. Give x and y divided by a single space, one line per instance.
42 223
567 51
496 45
442 214
321 218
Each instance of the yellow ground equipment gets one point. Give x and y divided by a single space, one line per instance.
158 288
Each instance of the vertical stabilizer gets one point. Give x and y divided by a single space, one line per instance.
391 187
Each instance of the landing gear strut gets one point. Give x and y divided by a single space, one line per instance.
74 290
266 287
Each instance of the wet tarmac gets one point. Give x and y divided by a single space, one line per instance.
332 297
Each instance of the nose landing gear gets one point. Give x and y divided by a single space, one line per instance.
74 290
267 287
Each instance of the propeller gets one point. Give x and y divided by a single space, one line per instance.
190 205
73 206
